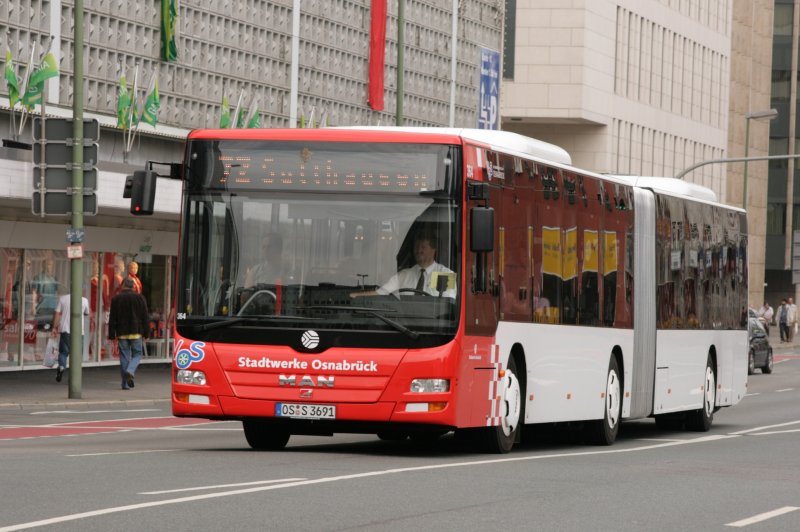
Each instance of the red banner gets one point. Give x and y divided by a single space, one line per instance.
377 53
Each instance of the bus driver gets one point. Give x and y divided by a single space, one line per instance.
420 277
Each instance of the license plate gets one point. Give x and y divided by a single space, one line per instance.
305 411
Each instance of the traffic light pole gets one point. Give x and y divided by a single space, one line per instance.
76 264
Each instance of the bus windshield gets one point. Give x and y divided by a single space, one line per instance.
298 235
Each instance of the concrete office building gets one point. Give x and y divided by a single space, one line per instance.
781 195
648 87
225 47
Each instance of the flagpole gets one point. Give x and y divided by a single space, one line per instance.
133 107
25 88
139 120
13 123
235 122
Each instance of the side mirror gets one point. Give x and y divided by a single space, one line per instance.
481 222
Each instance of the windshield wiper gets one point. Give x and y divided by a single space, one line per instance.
366 310
254 318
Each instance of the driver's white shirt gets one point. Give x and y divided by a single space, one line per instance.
408 278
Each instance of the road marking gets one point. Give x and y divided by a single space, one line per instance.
776 432
760 429
784 390
93 411
367 474
197 488
123 452
659 439
752 394
763 517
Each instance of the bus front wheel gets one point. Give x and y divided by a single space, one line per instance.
501 438
265 436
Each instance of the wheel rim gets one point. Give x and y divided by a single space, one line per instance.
769 360
613 392
751 362
512 402
710 392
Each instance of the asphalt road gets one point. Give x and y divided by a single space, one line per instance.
138 468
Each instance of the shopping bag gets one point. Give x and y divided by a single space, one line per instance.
50 353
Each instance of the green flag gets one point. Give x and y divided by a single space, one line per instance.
151 105
33 95
240 120
47 69
253 118
225 117
123 104
11 80
169 27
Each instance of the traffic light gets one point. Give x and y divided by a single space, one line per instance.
141 188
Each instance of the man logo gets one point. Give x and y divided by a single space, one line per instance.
310 339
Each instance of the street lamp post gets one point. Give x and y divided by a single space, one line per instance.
770 114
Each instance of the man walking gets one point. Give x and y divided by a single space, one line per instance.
783 324
128 323
61 323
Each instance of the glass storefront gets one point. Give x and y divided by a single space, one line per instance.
33 280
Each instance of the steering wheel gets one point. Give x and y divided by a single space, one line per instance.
414 291
254 296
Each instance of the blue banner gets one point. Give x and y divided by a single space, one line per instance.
489 104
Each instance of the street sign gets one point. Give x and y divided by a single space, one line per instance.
59 154
61 128
52 174
60 204
75 236
61 178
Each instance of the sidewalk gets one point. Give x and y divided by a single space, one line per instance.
36 389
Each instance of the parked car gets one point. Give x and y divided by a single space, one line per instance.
760 355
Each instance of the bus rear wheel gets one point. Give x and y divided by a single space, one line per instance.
265 436
501 438
604 431
700 420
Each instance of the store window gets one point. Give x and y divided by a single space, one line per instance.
33 280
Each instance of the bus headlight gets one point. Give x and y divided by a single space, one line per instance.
187 376
430 385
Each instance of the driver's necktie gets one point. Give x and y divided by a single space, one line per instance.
421 281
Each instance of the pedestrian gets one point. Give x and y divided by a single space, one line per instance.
783 324
766 314
128 322
791 319
61 325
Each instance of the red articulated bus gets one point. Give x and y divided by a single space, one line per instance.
409 282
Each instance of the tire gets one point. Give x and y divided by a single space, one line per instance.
767 367
604 431
265 436
751 363
701 420
500 439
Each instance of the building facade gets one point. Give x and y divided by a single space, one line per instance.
246 50
648 87
782 194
